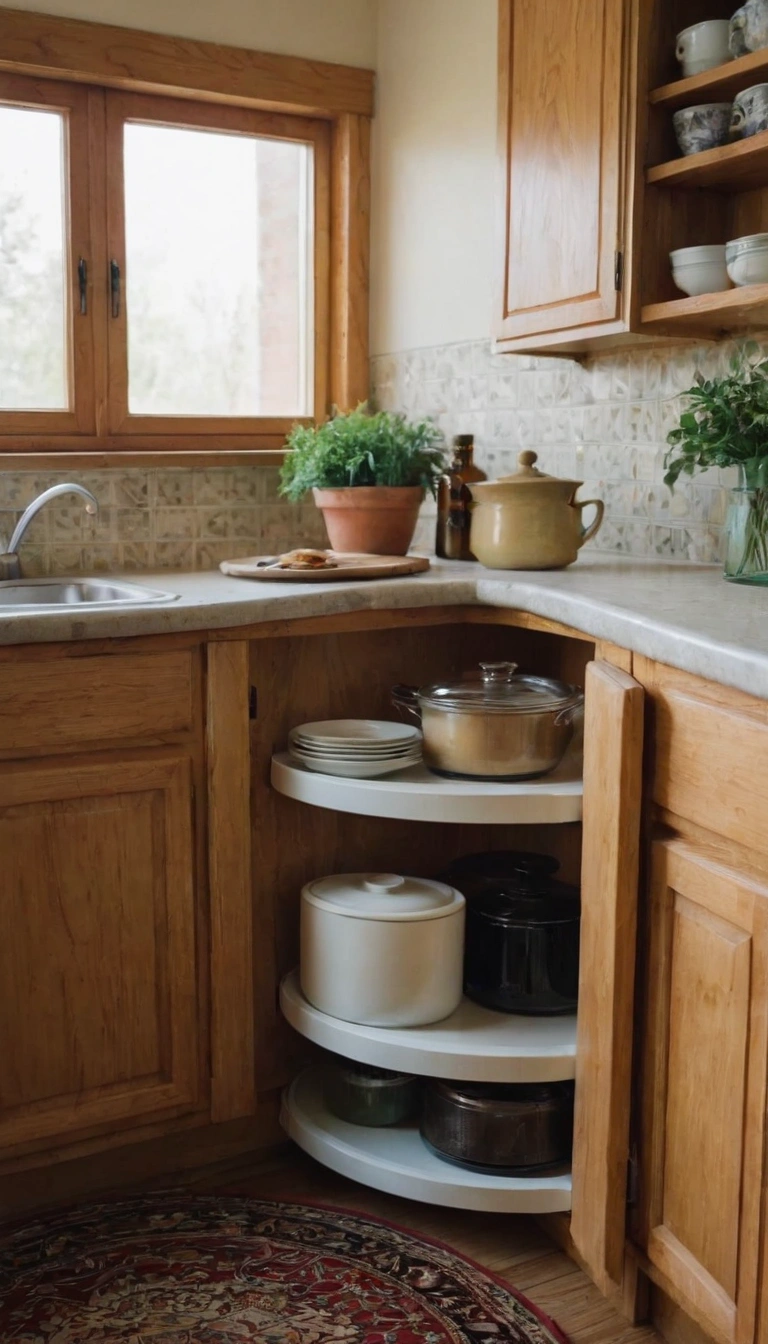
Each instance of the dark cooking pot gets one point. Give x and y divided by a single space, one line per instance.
521 951
503 1129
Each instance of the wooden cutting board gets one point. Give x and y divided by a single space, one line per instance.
347 567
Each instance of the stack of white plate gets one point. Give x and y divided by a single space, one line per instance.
357 748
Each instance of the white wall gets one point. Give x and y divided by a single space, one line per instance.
328 30
433 173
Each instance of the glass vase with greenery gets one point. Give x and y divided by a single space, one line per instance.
725 424
362 448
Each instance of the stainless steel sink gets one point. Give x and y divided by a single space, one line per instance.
53 594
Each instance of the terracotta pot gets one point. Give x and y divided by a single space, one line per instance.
374 519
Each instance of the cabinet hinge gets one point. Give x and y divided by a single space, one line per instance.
633 1177
618 273
253 707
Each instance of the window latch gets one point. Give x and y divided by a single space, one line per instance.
114 287
82 285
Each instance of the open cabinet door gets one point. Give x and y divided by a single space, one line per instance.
613 742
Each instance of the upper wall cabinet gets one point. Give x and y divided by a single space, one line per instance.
595 192
561 135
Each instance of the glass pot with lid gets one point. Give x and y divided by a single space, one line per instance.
495 725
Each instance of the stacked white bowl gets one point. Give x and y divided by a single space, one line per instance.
747 259
700 270
357 748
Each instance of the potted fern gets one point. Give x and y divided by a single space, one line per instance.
726 425
368 474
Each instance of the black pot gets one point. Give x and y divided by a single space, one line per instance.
522 934
513 1129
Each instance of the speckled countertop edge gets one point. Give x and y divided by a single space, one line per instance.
681 614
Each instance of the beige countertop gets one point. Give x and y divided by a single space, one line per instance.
684 615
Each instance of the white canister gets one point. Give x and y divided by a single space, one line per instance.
382 950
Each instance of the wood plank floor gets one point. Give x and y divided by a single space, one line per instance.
513 1247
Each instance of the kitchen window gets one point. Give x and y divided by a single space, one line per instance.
164 270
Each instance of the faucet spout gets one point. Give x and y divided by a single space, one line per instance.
10 567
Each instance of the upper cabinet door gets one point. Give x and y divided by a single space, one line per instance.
560 146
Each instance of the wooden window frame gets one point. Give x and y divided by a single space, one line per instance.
331 105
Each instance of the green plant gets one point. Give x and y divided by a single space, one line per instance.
726 425
362 448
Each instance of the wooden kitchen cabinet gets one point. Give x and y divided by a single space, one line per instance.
702 1041
126 1001
704 1084
99 998
561 148
594 193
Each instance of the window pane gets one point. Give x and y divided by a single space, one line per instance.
218 277
33 303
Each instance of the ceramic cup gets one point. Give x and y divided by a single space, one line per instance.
749 28
703 46
702 127
750 112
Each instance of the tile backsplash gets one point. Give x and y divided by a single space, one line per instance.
176 518
604 422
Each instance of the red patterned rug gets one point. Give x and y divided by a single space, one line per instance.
196 1269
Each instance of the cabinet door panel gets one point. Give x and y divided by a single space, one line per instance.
561 116
704 1086
97 985
613 749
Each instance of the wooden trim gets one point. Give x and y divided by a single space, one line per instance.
229 866
613 740
350 263
125 58
237 84
98 460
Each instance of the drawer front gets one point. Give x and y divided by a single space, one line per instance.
710 765
76 702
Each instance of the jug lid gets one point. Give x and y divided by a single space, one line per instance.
383 896
528 473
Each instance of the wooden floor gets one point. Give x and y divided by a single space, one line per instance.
513 1247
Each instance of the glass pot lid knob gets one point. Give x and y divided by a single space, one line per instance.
495 674
383 882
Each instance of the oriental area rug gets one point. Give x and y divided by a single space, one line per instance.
207 1269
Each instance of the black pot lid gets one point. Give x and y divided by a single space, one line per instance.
548 902
475 1094
501 864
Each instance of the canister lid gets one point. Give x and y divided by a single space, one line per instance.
531 906
498 690
383 896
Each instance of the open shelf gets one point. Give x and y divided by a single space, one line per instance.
743 307
474 1044
714 86
742 165
416 794
396 1160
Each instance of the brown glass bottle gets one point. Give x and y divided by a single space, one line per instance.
453 500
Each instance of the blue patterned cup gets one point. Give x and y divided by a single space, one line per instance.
750 112
702 127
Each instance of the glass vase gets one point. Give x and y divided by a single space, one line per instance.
746 525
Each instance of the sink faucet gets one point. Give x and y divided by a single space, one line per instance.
10 567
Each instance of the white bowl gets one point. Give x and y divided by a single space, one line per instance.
750 268
700 270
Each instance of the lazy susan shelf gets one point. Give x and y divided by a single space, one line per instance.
396 1160
416 794
474 1044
